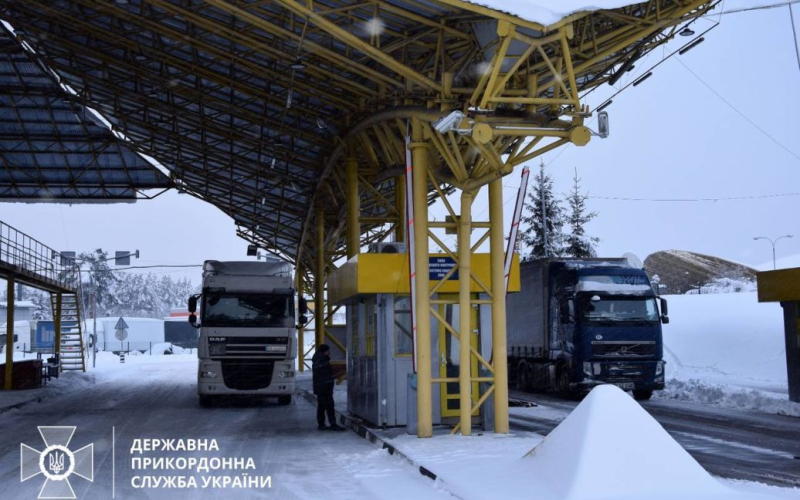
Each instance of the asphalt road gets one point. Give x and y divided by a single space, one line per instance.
728 443
159 401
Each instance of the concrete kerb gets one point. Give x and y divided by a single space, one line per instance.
359 428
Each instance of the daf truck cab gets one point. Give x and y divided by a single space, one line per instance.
248 330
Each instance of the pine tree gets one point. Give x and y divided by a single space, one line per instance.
99 280
577 244
42 309
542 219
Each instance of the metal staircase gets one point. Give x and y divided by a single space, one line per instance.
71 357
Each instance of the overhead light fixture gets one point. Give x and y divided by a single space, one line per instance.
298 65
687 31
691 46
642 78
604 105
252 250
321 124
121 2
626 66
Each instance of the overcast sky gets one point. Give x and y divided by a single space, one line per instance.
671 138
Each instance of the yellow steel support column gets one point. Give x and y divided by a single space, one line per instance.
301 343
353 209
419 160
319 281
465 316
9 334
499 352
400 204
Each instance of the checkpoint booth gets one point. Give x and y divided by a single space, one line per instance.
783 286
374 287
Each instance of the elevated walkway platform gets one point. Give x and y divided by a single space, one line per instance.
28 261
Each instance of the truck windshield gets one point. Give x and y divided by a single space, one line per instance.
619 309
251 310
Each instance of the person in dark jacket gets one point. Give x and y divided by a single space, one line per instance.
323 387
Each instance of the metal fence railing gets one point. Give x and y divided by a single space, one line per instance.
29 256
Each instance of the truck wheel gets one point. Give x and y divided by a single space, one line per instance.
562 380
523 377
643 395
206 401
284 400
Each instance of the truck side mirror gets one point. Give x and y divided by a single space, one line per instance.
303 321
303 307
193 304
193 320
664 311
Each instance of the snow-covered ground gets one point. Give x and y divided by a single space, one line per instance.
607 448
728 350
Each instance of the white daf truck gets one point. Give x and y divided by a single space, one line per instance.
248 330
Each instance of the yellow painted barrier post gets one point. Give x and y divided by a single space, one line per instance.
353 208
9 334
419 159
464 312
499 349
319 281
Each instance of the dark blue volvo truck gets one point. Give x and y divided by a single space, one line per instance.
578 323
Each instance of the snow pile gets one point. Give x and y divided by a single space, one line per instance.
167 348
697 391
725 338
547 12
606 448
728 350
610 447
726 285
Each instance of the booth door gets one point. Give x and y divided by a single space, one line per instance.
449 356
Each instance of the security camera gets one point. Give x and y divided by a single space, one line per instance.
602 124
448 123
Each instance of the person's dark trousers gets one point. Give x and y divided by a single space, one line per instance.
325 405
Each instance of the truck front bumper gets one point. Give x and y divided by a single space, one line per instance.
627 375
245 377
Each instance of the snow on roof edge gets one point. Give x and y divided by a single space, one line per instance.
548 12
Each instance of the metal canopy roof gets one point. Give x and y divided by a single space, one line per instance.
254 105
51 149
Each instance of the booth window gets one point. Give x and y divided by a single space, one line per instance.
402 326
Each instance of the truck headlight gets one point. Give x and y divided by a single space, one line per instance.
208 374
287 374
587 368
598 368
659 368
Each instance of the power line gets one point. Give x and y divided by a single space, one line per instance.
747 9
751 122
794 32
712 200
